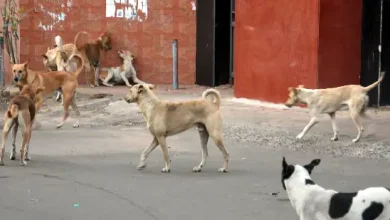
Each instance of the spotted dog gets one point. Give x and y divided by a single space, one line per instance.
313 202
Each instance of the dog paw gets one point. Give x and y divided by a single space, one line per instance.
165 170
299 137
197 169
28 158
12 156
334 138
222 170
76 126
23 163
59 125
355 140
141 166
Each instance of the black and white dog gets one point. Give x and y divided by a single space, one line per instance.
312 202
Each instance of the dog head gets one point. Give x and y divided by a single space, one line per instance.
29 90
125 54
19 71
49 59
297 174
105 41
293 96
136 91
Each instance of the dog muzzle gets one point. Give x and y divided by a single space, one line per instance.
17 78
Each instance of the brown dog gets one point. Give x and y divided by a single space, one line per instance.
51 81
90 52
21 112
169 118
329 101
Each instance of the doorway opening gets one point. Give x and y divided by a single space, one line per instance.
376 49
214 42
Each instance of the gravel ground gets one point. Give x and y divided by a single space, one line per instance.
250 125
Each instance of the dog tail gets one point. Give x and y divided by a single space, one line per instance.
215 93
81 67
13 111
375 84
59 42
77 37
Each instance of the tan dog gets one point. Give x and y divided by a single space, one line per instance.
90 52
329 101
169 118
21 112
121 74
51 81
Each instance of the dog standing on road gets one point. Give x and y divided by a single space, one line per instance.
51 81
21 112
330 100
313 202
121 74
165 119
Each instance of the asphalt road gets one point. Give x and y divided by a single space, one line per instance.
90 173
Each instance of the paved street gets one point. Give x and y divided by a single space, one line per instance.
90 172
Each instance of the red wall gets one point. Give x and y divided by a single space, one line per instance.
275 47
149 40
339 53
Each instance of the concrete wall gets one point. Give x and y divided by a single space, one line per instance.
148 32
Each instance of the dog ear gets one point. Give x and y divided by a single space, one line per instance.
284 164
141 88
301 86
25 65
309 167
44 56
48 48
64 56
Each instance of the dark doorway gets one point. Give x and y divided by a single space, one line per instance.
214 42
376 49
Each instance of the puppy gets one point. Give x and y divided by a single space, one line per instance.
21 112
169 118
121 74
330 100
90 53
51 81
311 201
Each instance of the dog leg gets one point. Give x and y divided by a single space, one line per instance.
110 74
215 133
145 154
204 137
27 155
356 118
7 127
123 76
97 69
14 133
137 81
67 101
163 144
334 126
311 123
26 131
76 110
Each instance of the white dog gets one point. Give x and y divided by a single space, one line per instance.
312 202
121 74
